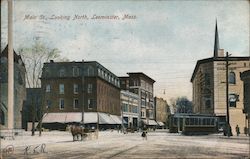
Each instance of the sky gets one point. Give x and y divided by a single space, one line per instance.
163 39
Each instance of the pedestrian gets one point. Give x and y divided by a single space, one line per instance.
237 130
144 135
245 130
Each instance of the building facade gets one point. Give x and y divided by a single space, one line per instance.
19 89
245 77
130 109
162 111
85 86
209 86
142 85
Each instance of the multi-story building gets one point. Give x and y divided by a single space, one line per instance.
130 109
162 111
245 77
19 89
81 87
142 85
209 86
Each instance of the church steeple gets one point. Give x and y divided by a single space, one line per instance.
216 41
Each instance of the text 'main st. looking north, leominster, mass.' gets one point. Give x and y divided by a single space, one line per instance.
79 17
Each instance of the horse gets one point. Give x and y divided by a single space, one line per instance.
76 131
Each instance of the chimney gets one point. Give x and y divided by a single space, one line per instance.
221 53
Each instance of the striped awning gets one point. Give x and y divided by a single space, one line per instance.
89 117
160 123
150 122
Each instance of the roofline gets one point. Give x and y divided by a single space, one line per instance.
212 59
141 73
81 62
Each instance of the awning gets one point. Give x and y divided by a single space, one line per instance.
150 122
116 118
105 119
89 117
160 123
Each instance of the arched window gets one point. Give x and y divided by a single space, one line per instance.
231 78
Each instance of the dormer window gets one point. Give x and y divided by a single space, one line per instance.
75 71
62 72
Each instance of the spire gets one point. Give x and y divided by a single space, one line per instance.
216 41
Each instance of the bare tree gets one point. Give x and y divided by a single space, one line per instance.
34 57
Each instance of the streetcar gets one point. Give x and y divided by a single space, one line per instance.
193 124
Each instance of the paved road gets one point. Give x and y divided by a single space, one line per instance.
158 145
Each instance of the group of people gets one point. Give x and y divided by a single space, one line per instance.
237 129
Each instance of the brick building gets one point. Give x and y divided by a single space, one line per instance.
77 87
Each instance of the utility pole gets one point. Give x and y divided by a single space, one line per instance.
10 67
229 131
83 92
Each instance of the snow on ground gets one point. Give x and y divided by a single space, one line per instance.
159 144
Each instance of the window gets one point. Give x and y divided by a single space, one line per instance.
76 103
231 78
48 88
61 73
61 103
61 88
76 89
232 100
90 71
124 107
151 115
207 79
99 72
90 88
143 102
75 71
134 109
91 103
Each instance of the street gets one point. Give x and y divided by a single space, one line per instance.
159 144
